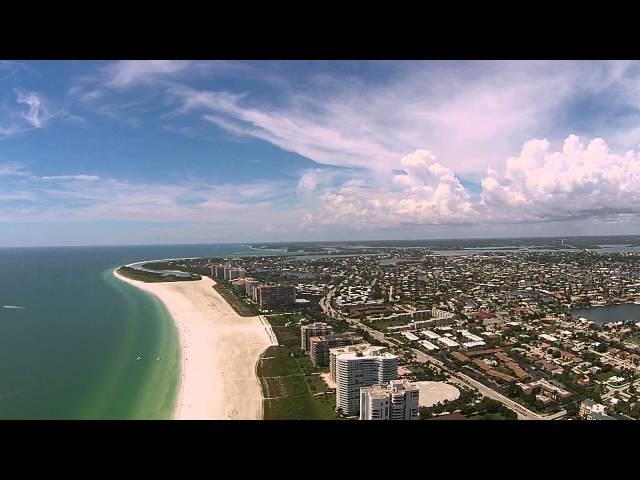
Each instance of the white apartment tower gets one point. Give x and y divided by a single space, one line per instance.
399 400
337 351
358 369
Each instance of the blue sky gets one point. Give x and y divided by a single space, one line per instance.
126 152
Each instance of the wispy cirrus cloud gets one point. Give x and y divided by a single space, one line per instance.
12 169
30 112
81 178
390 151
36 113
471 115
88 198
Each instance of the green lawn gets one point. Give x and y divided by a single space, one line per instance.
291 384
603 377
241 307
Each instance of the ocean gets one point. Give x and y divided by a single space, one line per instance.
70 334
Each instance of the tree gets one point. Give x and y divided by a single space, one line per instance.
508 414
572 409
512 390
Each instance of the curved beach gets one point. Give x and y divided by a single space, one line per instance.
219 349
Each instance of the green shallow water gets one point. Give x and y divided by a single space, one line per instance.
70 351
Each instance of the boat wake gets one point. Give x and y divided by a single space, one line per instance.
13 307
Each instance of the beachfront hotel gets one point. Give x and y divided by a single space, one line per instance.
313 330
319 346
355 370
399 400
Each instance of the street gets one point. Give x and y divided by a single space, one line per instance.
457 377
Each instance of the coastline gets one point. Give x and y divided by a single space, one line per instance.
219 351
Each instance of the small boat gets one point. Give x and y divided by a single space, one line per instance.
158 358
139 358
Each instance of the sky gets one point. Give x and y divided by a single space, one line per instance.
153 152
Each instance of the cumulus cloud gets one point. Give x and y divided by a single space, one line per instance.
582 181
307 183
579 181
427 193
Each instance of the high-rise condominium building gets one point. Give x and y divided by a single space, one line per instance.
336 351
398 400
313 330
250 286
233 273
319 346
219 271
276 296
355 370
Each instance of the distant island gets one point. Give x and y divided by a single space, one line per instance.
532 243
149 277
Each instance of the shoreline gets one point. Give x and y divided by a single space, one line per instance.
219 351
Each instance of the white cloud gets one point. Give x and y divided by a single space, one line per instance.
123 74
459 120
580 181
82 198
12 169
36 114
82 178
470 114
429 193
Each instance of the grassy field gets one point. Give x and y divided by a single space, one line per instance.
603 377
149 277
241 307
291 384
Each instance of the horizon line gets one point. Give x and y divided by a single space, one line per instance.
250 243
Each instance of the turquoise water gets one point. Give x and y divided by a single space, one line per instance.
69 351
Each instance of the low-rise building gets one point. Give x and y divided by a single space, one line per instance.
447 342
590 410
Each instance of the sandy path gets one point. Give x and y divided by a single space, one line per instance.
220 350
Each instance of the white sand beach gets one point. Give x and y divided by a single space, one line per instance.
220 350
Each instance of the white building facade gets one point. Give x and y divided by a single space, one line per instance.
355 370
399 400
